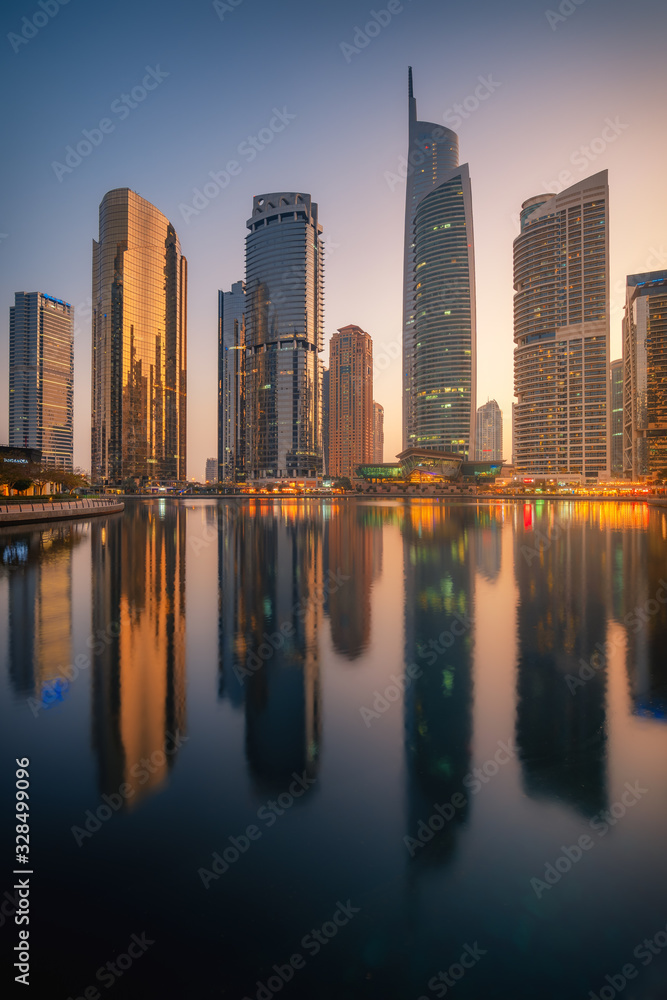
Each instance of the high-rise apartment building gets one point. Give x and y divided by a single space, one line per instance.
284 335
489 447
139 344
41 377
211 470
561 331
231 384
645 374
439 323
616 423
378 433
325 419
350 401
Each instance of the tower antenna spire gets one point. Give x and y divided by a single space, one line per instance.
412 103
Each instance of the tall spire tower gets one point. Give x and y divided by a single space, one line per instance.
432 151
439 332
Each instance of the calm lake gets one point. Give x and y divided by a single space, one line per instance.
341 750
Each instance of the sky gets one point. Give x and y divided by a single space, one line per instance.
570 90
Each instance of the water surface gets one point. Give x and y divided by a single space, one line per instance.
365 736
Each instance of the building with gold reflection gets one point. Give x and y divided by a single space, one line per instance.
138 570
139 344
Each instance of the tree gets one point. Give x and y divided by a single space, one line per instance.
343 483
21 485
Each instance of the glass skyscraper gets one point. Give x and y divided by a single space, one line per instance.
645 374
616 430
444 330
139 344
41 377
284 335
231 384
433 156
561 332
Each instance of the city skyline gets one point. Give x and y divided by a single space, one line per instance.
578 136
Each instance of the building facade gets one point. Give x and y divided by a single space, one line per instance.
433 153
211 475
645 374
561 332
231 384
378 432
325 419
616 422
350 400
444 362
139 344
489 432
41 377
284 335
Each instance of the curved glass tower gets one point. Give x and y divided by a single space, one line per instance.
444 360
284 334
139 344
433 151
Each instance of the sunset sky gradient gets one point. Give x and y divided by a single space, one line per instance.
556 83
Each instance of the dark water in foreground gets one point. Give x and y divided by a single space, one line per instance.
383 720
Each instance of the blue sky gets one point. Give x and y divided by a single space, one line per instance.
557 76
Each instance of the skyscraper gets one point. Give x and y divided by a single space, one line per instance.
439 324
561 331
139 343
616 431
284 335
645 374
41 377
432 157
489 432
211 475
378 433
231 384
325 418
350 401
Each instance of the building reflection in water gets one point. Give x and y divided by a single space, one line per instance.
640 592
233 626
271 595
39 569
489 540
138 581
439 562
561 563
354 549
